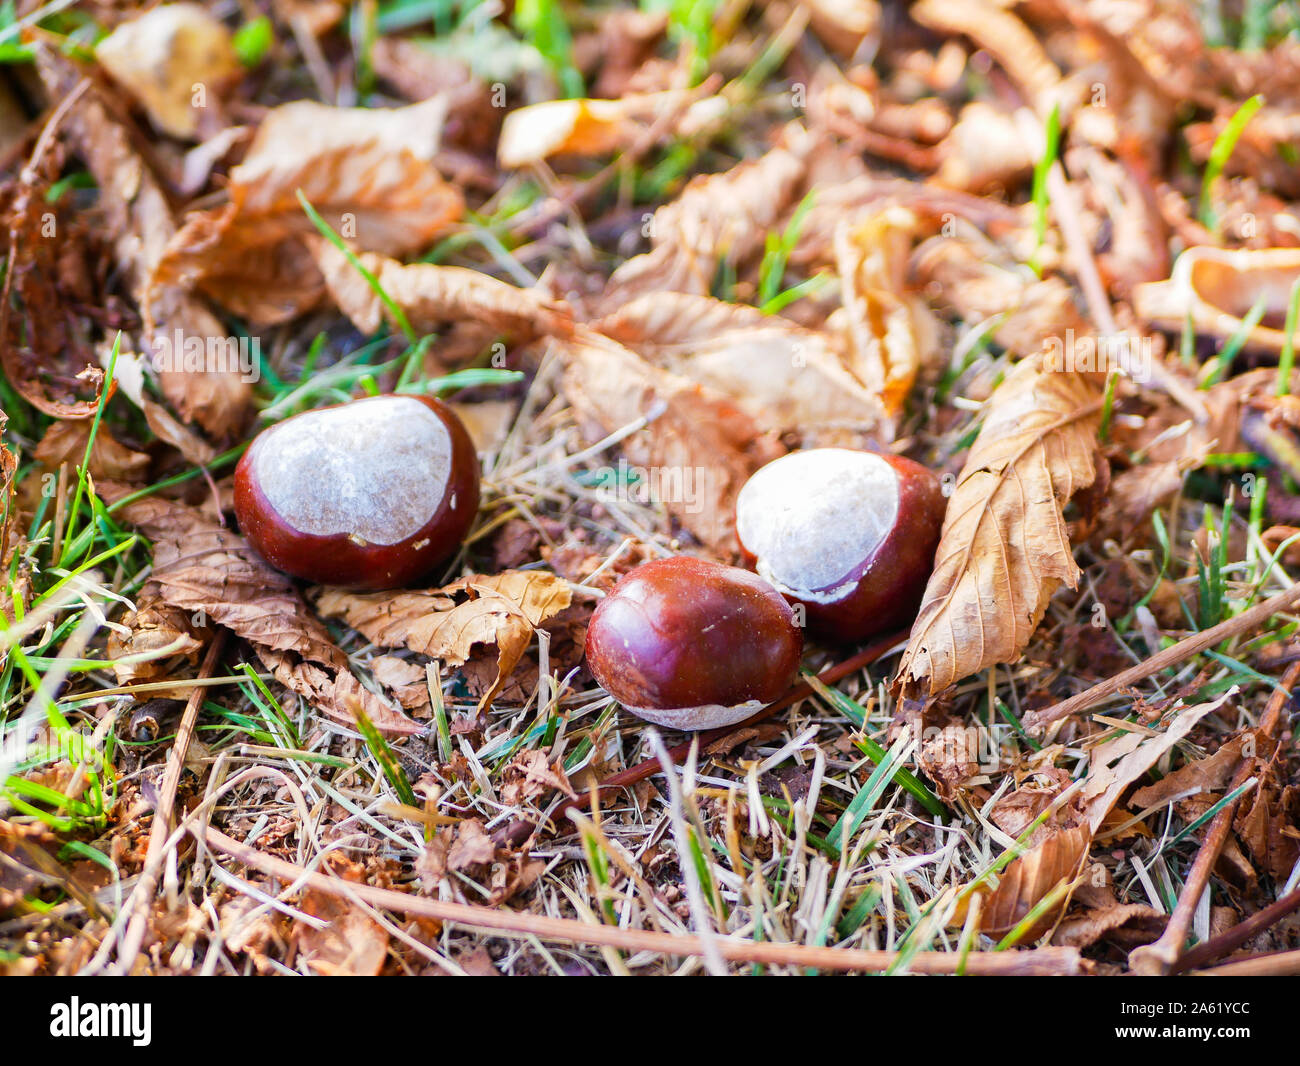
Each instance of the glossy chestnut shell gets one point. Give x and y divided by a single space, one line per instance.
849 535
368 494
692 644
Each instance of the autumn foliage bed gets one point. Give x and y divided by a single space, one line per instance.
1049 249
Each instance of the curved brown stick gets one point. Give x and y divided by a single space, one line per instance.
504 921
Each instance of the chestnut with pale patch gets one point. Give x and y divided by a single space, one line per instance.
367 494
693 644
849 535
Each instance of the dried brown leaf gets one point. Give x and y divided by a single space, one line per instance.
1216 288
844 24
161 56
1005 548
472 846
599 127
1138 924
65 442
1201 775
160 631
891 333
431 296
1003 35
447 623
717 217
406 681
368 172
210 572
786 377
694 432
352 944
136 216
985 152
1030 877
970 279
1117 763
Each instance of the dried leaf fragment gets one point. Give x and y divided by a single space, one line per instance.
786 377
716 217
1117 763
447 623
431 296
1030 878
1217 288
370 174
889 330
700 442
167 55
137 218
598 127
211 573
351 944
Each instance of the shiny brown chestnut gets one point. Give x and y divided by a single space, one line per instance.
849 535
368 494
692 644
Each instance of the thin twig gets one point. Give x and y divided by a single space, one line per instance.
143 896
1162 956
1228 942
1036 721
1277 964
1041 962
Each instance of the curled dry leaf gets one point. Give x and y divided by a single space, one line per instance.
65 442
891 333
786 377
849 194
1030 877
1217 288
1136 923
368 172
599 127
351 944
1117 763
946 758
1004 36
1005 548
1027 312
165 57
135 214
1266 822
695 435
716 217
158 637
1200 775
431 296
210 572
446 623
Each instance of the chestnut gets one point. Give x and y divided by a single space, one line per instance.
367 494
850 535
693 644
